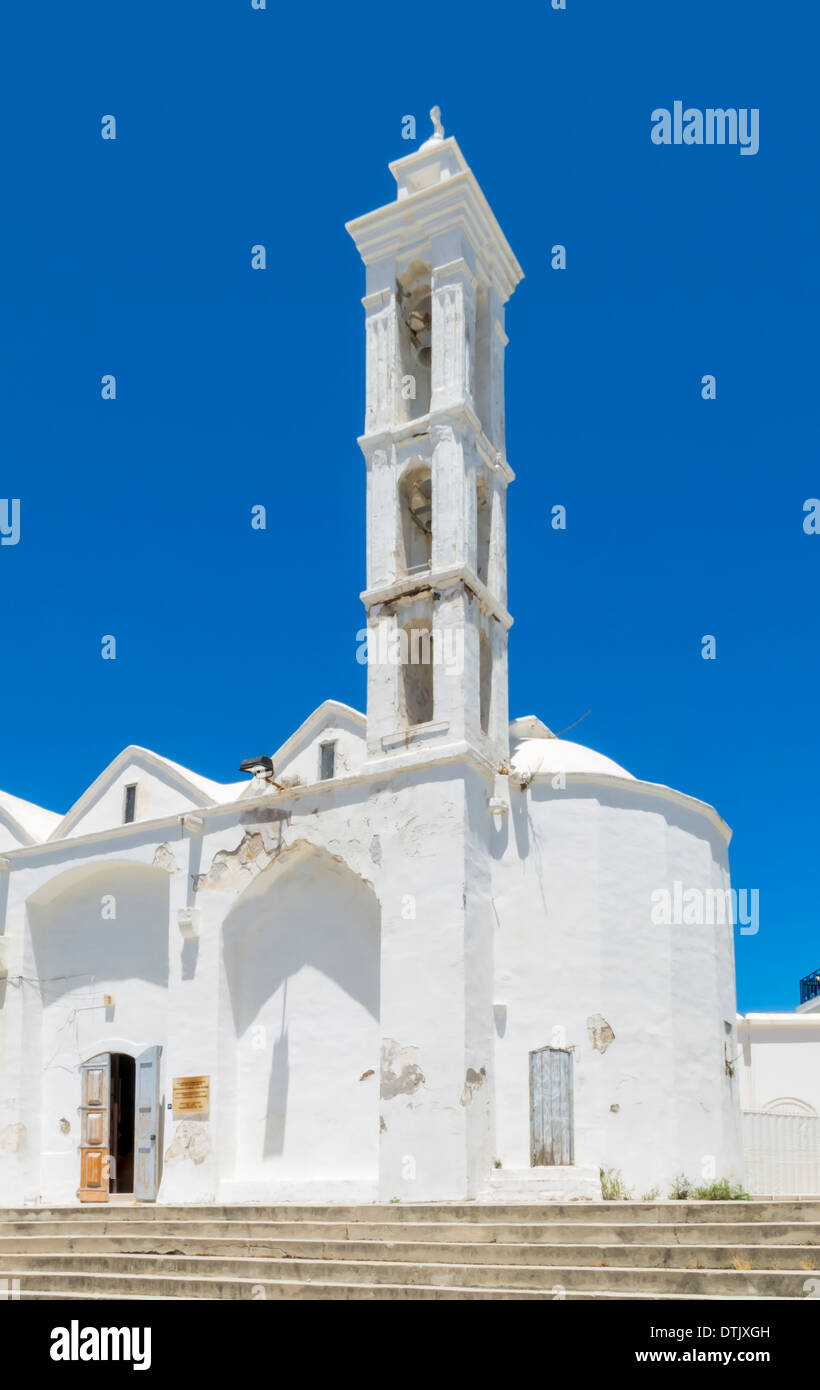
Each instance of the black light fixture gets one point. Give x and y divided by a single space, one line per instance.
262 769
257 765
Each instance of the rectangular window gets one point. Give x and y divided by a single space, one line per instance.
129 804
327 760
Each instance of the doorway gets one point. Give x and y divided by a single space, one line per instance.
552 1125
120 1114
121 1123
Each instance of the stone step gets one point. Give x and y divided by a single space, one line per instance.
149 1271
28 1294
55 1235
314 1292
798 1258
786 1210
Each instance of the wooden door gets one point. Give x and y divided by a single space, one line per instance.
552 1139
95 1081
146 1125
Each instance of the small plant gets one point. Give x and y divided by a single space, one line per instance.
721 1191
738 1262
652 1195
497 1163
681 1188
613 1187
807 1264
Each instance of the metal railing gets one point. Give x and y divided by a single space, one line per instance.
810 987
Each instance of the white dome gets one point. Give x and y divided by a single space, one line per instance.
547 755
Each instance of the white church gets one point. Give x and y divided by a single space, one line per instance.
411 955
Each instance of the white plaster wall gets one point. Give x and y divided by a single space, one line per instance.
545 911
304 763
156 798
301 956
575 940
9 839
780 1062
78 957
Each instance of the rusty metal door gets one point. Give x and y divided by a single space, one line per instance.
552 1139
146 1125
95 1081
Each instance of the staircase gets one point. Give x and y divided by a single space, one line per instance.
582 1250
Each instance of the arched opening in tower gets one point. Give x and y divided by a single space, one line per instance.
416 530
417 672
483 510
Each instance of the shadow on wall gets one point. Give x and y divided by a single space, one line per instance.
630 798
301 956
277 1097
109 921
4 898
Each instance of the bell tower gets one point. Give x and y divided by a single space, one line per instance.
439 272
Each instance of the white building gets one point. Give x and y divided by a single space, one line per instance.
418 959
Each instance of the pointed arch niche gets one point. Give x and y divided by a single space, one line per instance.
299 1021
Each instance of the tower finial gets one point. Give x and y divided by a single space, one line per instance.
438 128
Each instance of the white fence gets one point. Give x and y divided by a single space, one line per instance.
781 1154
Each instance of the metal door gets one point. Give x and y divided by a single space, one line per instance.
552 1139
146 1125
95 1080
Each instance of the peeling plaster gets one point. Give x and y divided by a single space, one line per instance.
401 1075
234 869
473 1082
12 1139
192 1140
265 815
599 1032
164 859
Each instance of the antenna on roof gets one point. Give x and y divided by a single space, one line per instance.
572 726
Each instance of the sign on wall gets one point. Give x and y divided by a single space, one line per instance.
191 1095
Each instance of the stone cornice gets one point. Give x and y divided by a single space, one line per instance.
460 413
443 577
149 833
455 203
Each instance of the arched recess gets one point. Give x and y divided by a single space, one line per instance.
300 1024
483 520
485 680
415 518
107 921
94 930
415 323
789 1105
416 693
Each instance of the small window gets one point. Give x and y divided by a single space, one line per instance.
327 760
129 804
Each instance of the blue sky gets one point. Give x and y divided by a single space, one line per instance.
236 388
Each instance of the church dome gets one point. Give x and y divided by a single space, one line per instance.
538 753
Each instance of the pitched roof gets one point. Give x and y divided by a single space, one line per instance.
34 823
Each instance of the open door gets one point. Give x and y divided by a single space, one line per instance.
146 1126
94 1128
